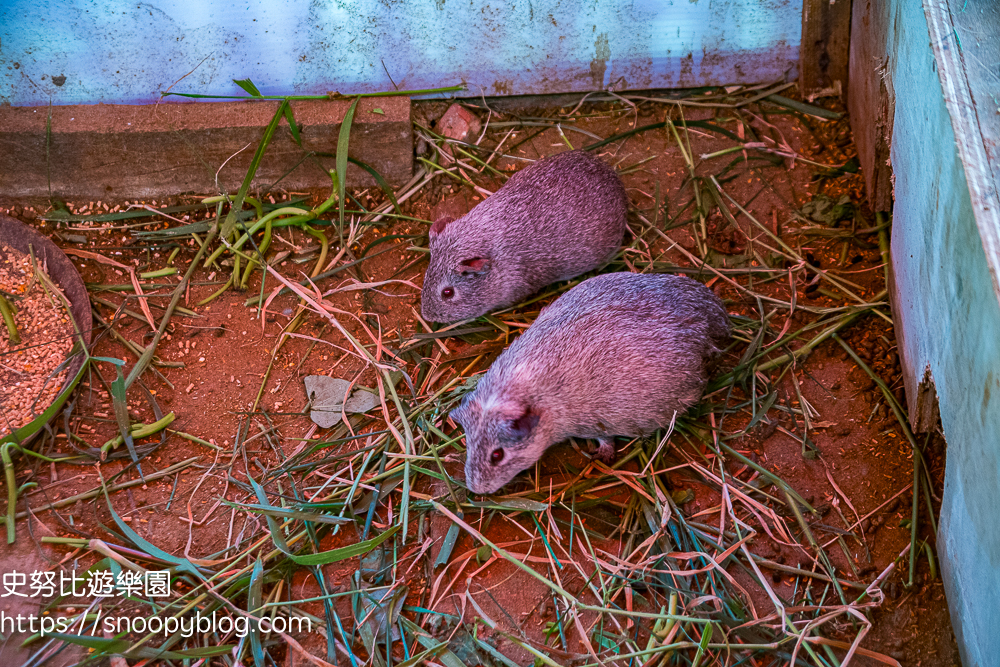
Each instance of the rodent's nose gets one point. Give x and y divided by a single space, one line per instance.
427 311
478 487
474 482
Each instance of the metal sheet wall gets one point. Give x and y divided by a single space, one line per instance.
112 51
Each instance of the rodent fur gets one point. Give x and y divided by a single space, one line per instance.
617 355
553 220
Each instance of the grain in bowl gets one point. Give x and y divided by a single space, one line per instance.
29 381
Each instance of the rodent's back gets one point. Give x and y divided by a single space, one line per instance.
620 350
553 220
559 217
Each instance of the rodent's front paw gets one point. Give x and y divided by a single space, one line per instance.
605 451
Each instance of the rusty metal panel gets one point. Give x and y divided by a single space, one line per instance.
75 52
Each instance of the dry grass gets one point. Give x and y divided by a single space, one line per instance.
680 591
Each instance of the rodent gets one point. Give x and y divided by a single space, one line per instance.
617 355
558 218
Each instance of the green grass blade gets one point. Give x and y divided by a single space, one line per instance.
120 402
292 125
183 564
272 524
328 96
450 538
802 107
344 553
345 133
386 188
253 604
99 645
702 124
247 85
446 658
285 513
706 637
237 205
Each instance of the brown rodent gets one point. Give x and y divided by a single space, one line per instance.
617 355
556 219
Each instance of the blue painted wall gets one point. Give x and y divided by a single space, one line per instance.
948 320
112 51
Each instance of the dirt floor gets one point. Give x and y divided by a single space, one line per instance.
829 432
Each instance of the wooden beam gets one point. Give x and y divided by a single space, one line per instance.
824 52
126 151
871 100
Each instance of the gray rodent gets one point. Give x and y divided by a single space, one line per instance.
617 355
553 220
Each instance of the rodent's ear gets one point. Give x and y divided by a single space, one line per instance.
458 414
474 266
439 225
525 424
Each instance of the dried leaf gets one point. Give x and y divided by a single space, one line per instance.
824 210
327 396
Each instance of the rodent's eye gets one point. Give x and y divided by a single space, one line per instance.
496 456
447 293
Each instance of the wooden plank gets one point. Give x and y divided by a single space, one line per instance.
122 151
825 51
969 81
871 99
944 264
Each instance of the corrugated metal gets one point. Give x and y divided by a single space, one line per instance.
73 52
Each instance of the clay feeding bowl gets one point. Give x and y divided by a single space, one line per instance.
60 269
